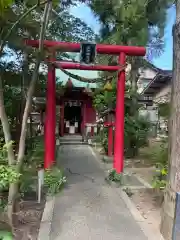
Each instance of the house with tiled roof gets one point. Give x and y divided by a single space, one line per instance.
157 91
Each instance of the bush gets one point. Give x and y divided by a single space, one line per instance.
136 127
36 154
103 139
158 154
8 175
54 180
160 179
136 135
161 158
113 176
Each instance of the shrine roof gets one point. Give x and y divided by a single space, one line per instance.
79 84
163 78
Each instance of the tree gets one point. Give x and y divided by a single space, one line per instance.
12 34
13 187
173 185
133 22
136 129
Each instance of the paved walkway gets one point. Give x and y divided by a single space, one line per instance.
89 209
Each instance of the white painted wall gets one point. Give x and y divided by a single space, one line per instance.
151 113
146 76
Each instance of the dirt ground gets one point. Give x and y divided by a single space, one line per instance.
148 202
144 173
27 220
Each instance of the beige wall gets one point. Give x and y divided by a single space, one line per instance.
163 95
151 112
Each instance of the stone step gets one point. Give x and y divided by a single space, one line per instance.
70 139
73 143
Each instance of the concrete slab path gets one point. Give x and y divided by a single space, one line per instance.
89 209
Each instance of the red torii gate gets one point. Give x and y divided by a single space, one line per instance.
120 51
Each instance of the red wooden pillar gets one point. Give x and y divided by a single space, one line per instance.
119 121
62 120
50 120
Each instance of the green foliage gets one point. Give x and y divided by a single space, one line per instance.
136 128
164 110
28 181
4 4
5 235
54 180
158 155
103 137
113 176
36 154
160 179
136 133
132 22
8 175
34 161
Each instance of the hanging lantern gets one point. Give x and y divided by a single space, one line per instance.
108 86
69 83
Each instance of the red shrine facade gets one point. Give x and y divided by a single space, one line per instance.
76 110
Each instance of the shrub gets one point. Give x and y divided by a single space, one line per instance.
8 175
113 176
159 180
136 135
159 156
54 180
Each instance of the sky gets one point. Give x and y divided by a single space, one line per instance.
163 62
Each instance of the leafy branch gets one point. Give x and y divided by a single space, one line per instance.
17 22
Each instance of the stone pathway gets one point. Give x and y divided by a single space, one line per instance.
89 209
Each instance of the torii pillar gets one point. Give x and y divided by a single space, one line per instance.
50 118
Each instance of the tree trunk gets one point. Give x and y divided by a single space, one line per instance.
8 139
173 186
13 190
6 127
134 103
134 76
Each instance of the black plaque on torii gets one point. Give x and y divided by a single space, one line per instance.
88 53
